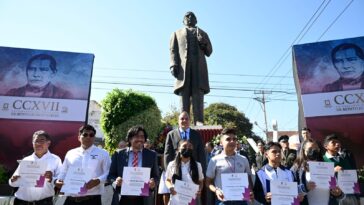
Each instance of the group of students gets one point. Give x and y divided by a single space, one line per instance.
185 165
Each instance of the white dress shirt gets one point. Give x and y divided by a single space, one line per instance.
54 164
94 160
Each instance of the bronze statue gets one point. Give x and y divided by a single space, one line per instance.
188 47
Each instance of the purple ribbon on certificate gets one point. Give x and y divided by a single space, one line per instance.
145 190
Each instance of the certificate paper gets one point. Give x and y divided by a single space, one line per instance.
284 193
235 186
348 181
32 173
75 181
186 193
135 181
322 173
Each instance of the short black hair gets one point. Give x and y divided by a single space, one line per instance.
42 133
86 127
331 137
52 64
306 129
134 131
271 144
210 144
227 131
283 137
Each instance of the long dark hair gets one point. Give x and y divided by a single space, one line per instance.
301 160
177 163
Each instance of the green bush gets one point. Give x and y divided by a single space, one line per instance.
124 109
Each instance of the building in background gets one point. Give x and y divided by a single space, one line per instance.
94 115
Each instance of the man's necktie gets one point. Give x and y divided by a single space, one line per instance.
135 159
184 135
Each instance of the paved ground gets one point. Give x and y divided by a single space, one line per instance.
106 198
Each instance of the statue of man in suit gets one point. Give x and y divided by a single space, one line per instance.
188 47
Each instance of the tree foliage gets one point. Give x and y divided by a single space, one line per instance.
228 116
124 109
171 117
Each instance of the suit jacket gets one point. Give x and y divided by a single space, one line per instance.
178 53
50 91
119 160
171 147
338 85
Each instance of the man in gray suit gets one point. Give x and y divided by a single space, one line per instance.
133 156
184 132
188 47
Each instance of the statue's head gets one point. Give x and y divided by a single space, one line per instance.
190 19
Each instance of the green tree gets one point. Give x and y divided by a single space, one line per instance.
171 117
124 109
228 116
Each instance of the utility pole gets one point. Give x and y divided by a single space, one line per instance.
263 101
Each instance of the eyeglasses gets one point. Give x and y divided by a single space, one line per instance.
88 134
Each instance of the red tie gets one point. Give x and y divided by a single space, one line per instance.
135 160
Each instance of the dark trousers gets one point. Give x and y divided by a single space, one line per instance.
83 200
46 201
132 200
191 91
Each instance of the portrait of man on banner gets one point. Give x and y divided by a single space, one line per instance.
348 60
330 66
40 71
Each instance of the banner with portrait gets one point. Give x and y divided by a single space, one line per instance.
41 90
329 79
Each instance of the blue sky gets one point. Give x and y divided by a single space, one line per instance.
130 41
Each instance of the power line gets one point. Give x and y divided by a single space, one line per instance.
165 79
170 86
210 73
284 57
224 96
333 22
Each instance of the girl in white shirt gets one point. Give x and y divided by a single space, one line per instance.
184 168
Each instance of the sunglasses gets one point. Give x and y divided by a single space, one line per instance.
88 134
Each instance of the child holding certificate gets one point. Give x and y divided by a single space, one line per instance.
186 169
273 171
314 194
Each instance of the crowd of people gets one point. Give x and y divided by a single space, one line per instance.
186 159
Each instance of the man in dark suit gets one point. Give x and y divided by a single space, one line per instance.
133 156
184 132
